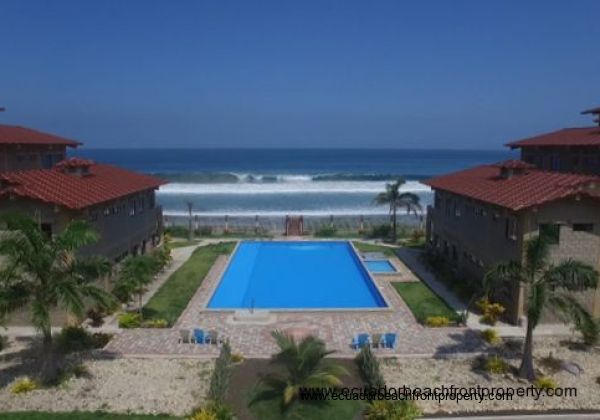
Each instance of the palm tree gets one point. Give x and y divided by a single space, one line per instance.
135 274
396 200
547 286
303 366
46 273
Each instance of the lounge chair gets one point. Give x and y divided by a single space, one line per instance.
199 336
360 341
184 336
390 340
377 340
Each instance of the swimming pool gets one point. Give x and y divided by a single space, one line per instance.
295 275
380 266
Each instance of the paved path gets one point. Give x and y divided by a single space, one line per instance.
336 328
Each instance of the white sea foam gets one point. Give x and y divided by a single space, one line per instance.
291 185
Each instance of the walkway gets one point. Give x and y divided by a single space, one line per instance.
336 328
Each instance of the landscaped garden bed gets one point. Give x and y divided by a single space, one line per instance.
172 298
424 303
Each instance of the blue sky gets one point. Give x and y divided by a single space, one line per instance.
420 74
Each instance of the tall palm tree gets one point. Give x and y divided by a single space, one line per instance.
547 286
46 273
397 200
303 366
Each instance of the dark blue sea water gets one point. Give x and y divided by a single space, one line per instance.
282 181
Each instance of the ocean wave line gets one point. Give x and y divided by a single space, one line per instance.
369 187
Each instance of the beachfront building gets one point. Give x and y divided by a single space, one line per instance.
119 204
566 150
23 148
482 216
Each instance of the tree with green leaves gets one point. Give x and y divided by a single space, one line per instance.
395 199
548 286
134 276
45 273
298 365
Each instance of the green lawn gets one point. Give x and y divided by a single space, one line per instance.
331 410
81 415
172 298
366 247
423 302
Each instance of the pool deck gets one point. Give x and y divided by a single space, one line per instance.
335 327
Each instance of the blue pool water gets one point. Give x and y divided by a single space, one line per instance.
380 266
286 275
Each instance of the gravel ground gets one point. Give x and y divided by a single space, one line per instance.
119 385
461 372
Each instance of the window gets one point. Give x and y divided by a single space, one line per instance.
457 211
551 232
106 211
583 227
511 228
46 229
480 211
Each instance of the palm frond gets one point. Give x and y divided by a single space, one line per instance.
536 255
572 275
76 235
572 310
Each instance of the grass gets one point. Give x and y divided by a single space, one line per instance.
423 302
173 296
330 410
82 415
366 247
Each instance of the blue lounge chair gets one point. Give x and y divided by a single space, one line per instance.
360 341
199 336
389 340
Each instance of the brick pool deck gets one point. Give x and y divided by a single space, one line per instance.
336 328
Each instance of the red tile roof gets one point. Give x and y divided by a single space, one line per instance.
103 183
12 134
584 136
533 187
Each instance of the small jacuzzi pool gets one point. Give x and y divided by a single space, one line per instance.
380 266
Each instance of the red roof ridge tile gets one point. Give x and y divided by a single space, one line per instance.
16 134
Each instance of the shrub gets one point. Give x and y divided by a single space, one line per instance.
24 385
156 323
392 410
73 339
219 380
213 411
545 382
490 335
369 368
437 321
490 311
204 231
130 320
237 358
325 232
495 364
381 231
96 316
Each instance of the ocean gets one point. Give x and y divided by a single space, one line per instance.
276 182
